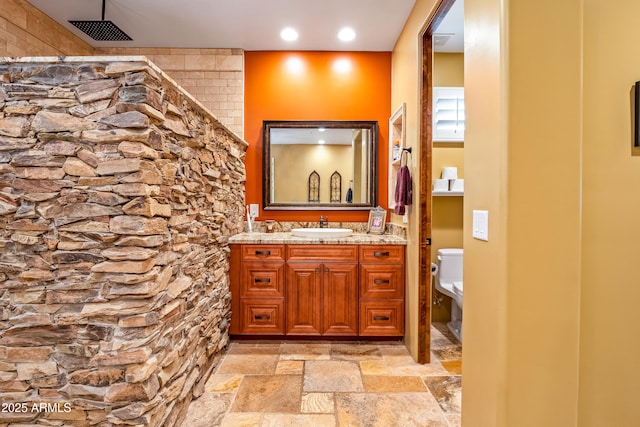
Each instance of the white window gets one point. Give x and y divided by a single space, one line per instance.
448 114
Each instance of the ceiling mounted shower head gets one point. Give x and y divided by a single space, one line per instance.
101 30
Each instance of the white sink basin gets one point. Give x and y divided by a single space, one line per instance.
320 233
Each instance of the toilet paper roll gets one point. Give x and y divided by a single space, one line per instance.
449 172
440 185
457 185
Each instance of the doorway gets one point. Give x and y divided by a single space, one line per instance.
426 39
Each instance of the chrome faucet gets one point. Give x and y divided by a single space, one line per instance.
324 222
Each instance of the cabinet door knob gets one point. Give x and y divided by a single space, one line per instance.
267 253
262 316
317 270
379 254
380 317
266 280
381 281
326 270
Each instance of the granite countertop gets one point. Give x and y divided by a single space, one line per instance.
290 239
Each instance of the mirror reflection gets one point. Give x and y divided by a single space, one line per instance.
313 164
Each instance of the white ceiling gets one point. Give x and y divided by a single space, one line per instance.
246 24
449 36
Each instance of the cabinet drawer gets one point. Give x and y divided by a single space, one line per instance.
262 280
263 252
382 318
264 317
336 253
382 253
382 281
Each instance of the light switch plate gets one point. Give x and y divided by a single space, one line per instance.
481 225
253 210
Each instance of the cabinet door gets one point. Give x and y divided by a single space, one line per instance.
340 299
304 298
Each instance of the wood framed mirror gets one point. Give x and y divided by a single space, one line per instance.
294 149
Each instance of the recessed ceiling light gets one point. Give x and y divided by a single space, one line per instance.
347 34
289 34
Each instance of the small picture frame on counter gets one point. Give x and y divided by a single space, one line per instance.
269 226
377 218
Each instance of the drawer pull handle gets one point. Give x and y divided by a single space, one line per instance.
267 280
381 281
380 317
379 254
262 316
267 253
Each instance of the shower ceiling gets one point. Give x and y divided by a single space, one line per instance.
246 24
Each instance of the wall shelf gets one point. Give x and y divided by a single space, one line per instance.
397 132
448 193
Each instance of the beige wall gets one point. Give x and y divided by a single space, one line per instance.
610 292
447 214
405 88
448 69
522 164
544 212
543 328
25 31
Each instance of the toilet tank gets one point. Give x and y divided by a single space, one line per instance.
450 265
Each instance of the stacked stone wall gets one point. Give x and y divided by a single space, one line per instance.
118 192
214 76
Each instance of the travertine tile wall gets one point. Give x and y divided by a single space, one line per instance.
118 193
26 31
214 76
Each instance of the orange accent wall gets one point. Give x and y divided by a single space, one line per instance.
306 86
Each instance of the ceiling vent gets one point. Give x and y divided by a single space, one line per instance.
441 39
101 30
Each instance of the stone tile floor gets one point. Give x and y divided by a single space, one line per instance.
317 384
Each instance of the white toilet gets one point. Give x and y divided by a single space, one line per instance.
448 276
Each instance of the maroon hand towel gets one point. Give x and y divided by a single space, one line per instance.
403 190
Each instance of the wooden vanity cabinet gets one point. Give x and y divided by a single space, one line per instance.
322 290
317 290
382 290
257 289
